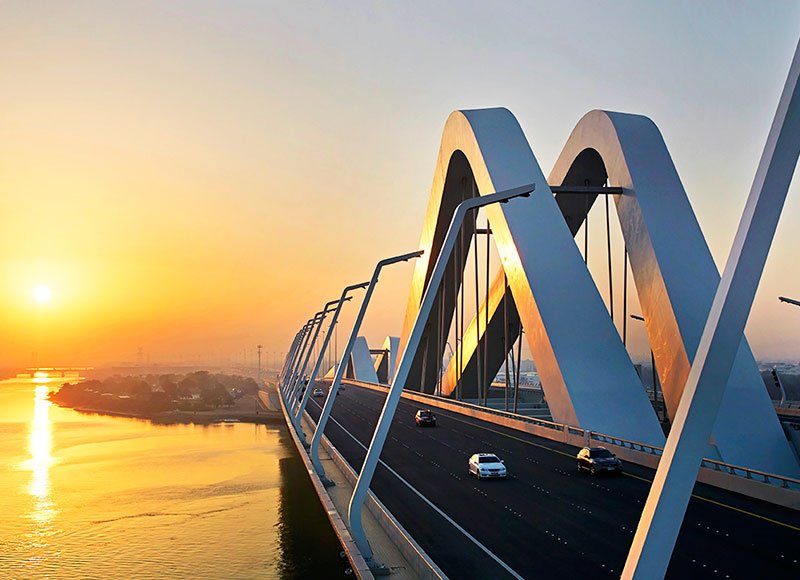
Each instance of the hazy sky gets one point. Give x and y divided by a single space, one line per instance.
197 177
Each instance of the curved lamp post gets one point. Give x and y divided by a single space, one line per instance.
404 364
342 367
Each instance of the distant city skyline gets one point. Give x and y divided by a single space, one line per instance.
196 179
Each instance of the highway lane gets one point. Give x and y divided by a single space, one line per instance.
547 519
455 553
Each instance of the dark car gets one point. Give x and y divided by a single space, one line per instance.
425 418
597 460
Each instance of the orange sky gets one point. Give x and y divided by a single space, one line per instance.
197 179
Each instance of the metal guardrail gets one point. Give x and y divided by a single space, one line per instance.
736 470
729 468
635 445
770 478
517 417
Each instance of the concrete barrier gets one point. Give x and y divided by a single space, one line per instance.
423 565
360 567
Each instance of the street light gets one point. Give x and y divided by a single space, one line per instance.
297 416
288 364
259 363
789 300
656 404
404 364
297 356
297 389
342 367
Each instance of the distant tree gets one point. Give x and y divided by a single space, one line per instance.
140 390
203 379
170 388
159 401
216 396
188 385
249 386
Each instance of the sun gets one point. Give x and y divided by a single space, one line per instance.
42 294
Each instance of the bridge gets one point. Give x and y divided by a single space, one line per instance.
711 481
547 520
63 371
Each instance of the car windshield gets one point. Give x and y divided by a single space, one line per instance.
600 454
425 414
488 459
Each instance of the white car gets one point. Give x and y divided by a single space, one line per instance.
487 465
318 393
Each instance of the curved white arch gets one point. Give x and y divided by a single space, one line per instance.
674 272
586 372
676 279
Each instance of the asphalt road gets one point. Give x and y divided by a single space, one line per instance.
546 520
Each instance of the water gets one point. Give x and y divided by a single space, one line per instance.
88 496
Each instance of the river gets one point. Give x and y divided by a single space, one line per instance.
90 496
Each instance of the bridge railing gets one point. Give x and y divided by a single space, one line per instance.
499 412
770 478
719 466
738 470
635 445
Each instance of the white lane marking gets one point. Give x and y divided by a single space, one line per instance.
452 522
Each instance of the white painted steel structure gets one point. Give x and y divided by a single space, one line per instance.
586 373
341 367
712 388
301 407
297 355
298 389
361 366
720 344
301 358
385 361
355 511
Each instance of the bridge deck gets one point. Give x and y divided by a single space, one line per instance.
546 519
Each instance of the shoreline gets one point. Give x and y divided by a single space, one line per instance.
263 416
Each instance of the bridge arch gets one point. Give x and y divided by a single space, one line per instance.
675 279
675 275
586 372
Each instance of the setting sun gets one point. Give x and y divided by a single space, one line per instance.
42 294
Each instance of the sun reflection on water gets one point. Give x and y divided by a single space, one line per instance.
40 446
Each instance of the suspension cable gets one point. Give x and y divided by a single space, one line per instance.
610 275
505 332
440 344
486 379
625 296
477 353
456 251
519 365
462 264
586 229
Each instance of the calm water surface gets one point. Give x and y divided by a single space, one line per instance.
87 496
